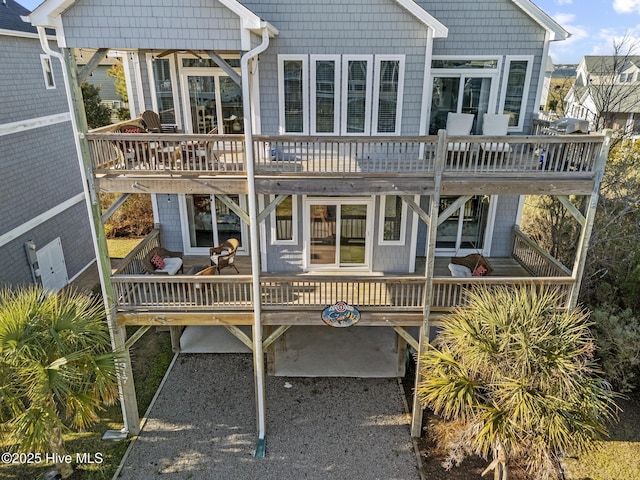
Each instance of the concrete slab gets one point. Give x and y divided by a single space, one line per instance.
212 339
310 351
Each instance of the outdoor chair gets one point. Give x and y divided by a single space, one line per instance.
477 264
224 255
459 125
495 125
134 152
160 261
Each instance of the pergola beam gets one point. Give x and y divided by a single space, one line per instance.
228 69
91 65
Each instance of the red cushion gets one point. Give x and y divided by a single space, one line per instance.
479 271
157 261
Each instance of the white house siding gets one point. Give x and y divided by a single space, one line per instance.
375 27
184 25
39 165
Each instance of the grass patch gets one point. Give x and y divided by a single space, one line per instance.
150 357
120 247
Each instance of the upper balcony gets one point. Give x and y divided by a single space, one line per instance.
179 163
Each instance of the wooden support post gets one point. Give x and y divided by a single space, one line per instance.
175 333
434 204
128 401
587 227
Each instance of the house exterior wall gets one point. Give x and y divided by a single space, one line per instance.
184 25
488 27
39 165
169 213
337 27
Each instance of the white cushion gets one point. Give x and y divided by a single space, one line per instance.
495 147
459 123
171 265
457 147
459 270
495 125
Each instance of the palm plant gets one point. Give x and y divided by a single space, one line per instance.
57 368
515 378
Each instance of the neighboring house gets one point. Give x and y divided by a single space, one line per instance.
45 237
606 92
327 160
100 78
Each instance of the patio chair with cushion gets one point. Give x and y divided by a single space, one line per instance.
459 125
160 261
477 264
153 124
495 125
224 255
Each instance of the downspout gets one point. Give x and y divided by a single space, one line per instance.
44 43
258 356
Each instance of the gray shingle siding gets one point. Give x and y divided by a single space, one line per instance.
72 226
503 226
24 94
38 177
169 213
188 24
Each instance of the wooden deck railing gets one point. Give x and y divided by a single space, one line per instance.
538 262
132 263
225 154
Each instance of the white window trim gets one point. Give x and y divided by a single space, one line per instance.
174 92
345 92
525 91
376 92
309 200
305 92
488 235
403 223
294 221
337 97
43 60
484 71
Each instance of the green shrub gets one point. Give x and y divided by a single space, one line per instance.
617 334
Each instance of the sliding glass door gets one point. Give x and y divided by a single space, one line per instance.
214 102
337 233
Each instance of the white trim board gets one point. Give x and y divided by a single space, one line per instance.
32 123
40 219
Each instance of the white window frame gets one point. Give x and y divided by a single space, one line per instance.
403 223
345 92
174 91
336 99
376 92
45 60
305 92
294 221
311 200
525 91
493 73
488 234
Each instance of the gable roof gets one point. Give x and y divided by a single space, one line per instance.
543 19
603 64
49 11
439 30
10 13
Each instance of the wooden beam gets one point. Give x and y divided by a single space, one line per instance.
170 185
136 336
235 208
407 337
416 209
334 185
451 209
228 69
271 207
186 318
520 185
114 207
128 402
91 65
240 335
277 333
367 319
571 208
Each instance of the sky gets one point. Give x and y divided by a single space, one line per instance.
594 25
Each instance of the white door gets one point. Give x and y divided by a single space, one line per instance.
53 269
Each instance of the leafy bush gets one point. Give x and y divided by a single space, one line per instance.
133 219
617 334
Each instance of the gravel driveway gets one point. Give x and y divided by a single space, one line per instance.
202 426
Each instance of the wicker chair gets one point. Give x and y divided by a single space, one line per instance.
224 255
172 262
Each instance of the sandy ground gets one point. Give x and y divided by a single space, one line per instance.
202 426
